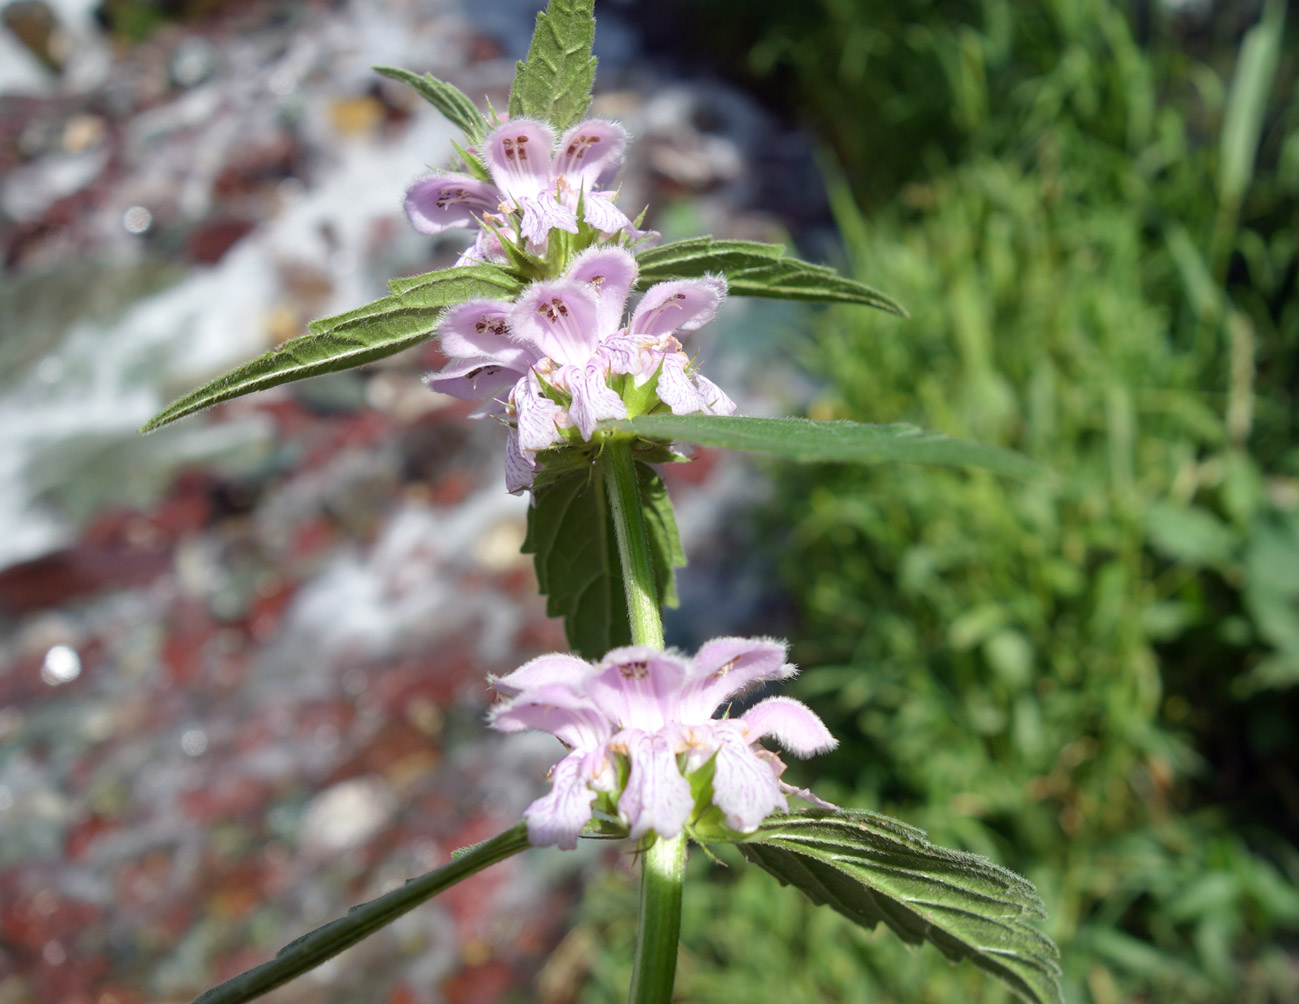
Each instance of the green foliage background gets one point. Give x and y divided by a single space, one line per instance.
1090 679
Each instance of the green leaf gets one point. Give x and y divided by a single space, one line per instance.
554 83
349 339
1189 533
324 943
571 536
697 255
666 551
1242 123
448 286
446 98
871 868
807 441
756 269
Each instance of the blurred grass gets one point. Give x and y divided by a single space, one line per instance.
1091 680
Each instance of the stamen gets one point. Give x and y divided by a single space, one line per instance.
452 196
672 301
580 144
495 325
723 669
553 310
515 149
634 670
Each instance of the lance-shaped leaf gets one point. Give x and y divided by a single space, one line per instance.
756 269
350 339
807 441
446 98
448 286
696 255
571 536
324 943
554 83
871 868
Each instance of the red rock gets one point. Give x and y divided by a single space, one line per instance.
257 166
210 240
183 652
84 833
56 578
227 797
452 488
483 984
401 993
44 915
187 509
268 609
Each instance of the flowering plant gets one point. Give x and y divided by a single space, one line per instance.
532 320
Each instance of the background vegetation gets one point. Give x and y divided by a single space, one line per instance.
1090 212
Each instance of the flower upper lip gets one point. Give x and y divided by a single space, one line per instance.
533 175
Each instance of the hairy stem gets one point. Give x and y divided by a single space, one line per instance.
662 876
633 545
663 862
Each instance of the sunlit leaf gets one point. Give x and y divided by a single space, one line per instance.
446 98
807 441
697 255
871 868
455 285
353 338
554 83
324 943
756 269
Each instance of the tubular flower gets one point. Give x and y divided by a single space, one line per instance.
546 186
548 363
644 745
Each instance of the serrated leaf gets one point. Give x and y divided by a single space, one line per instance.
571 536
343 341
807 441
554 83
446 98
756 269
390 329
697 255
309 951
791 279
447 286
352 338
871 868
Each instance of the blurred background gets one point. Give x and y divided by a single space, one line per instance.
242 659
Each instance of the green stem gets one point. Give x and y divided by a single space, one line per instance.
633 545
664 861
360 922
663 873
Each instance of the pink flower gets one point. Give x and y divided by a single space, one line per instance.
639 725
544 184
547 362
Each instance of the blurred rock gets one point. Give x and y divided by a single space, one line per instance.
35 25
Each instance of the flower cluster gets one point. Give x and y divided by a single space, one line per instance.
535 186
549 361
639 728
561 357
